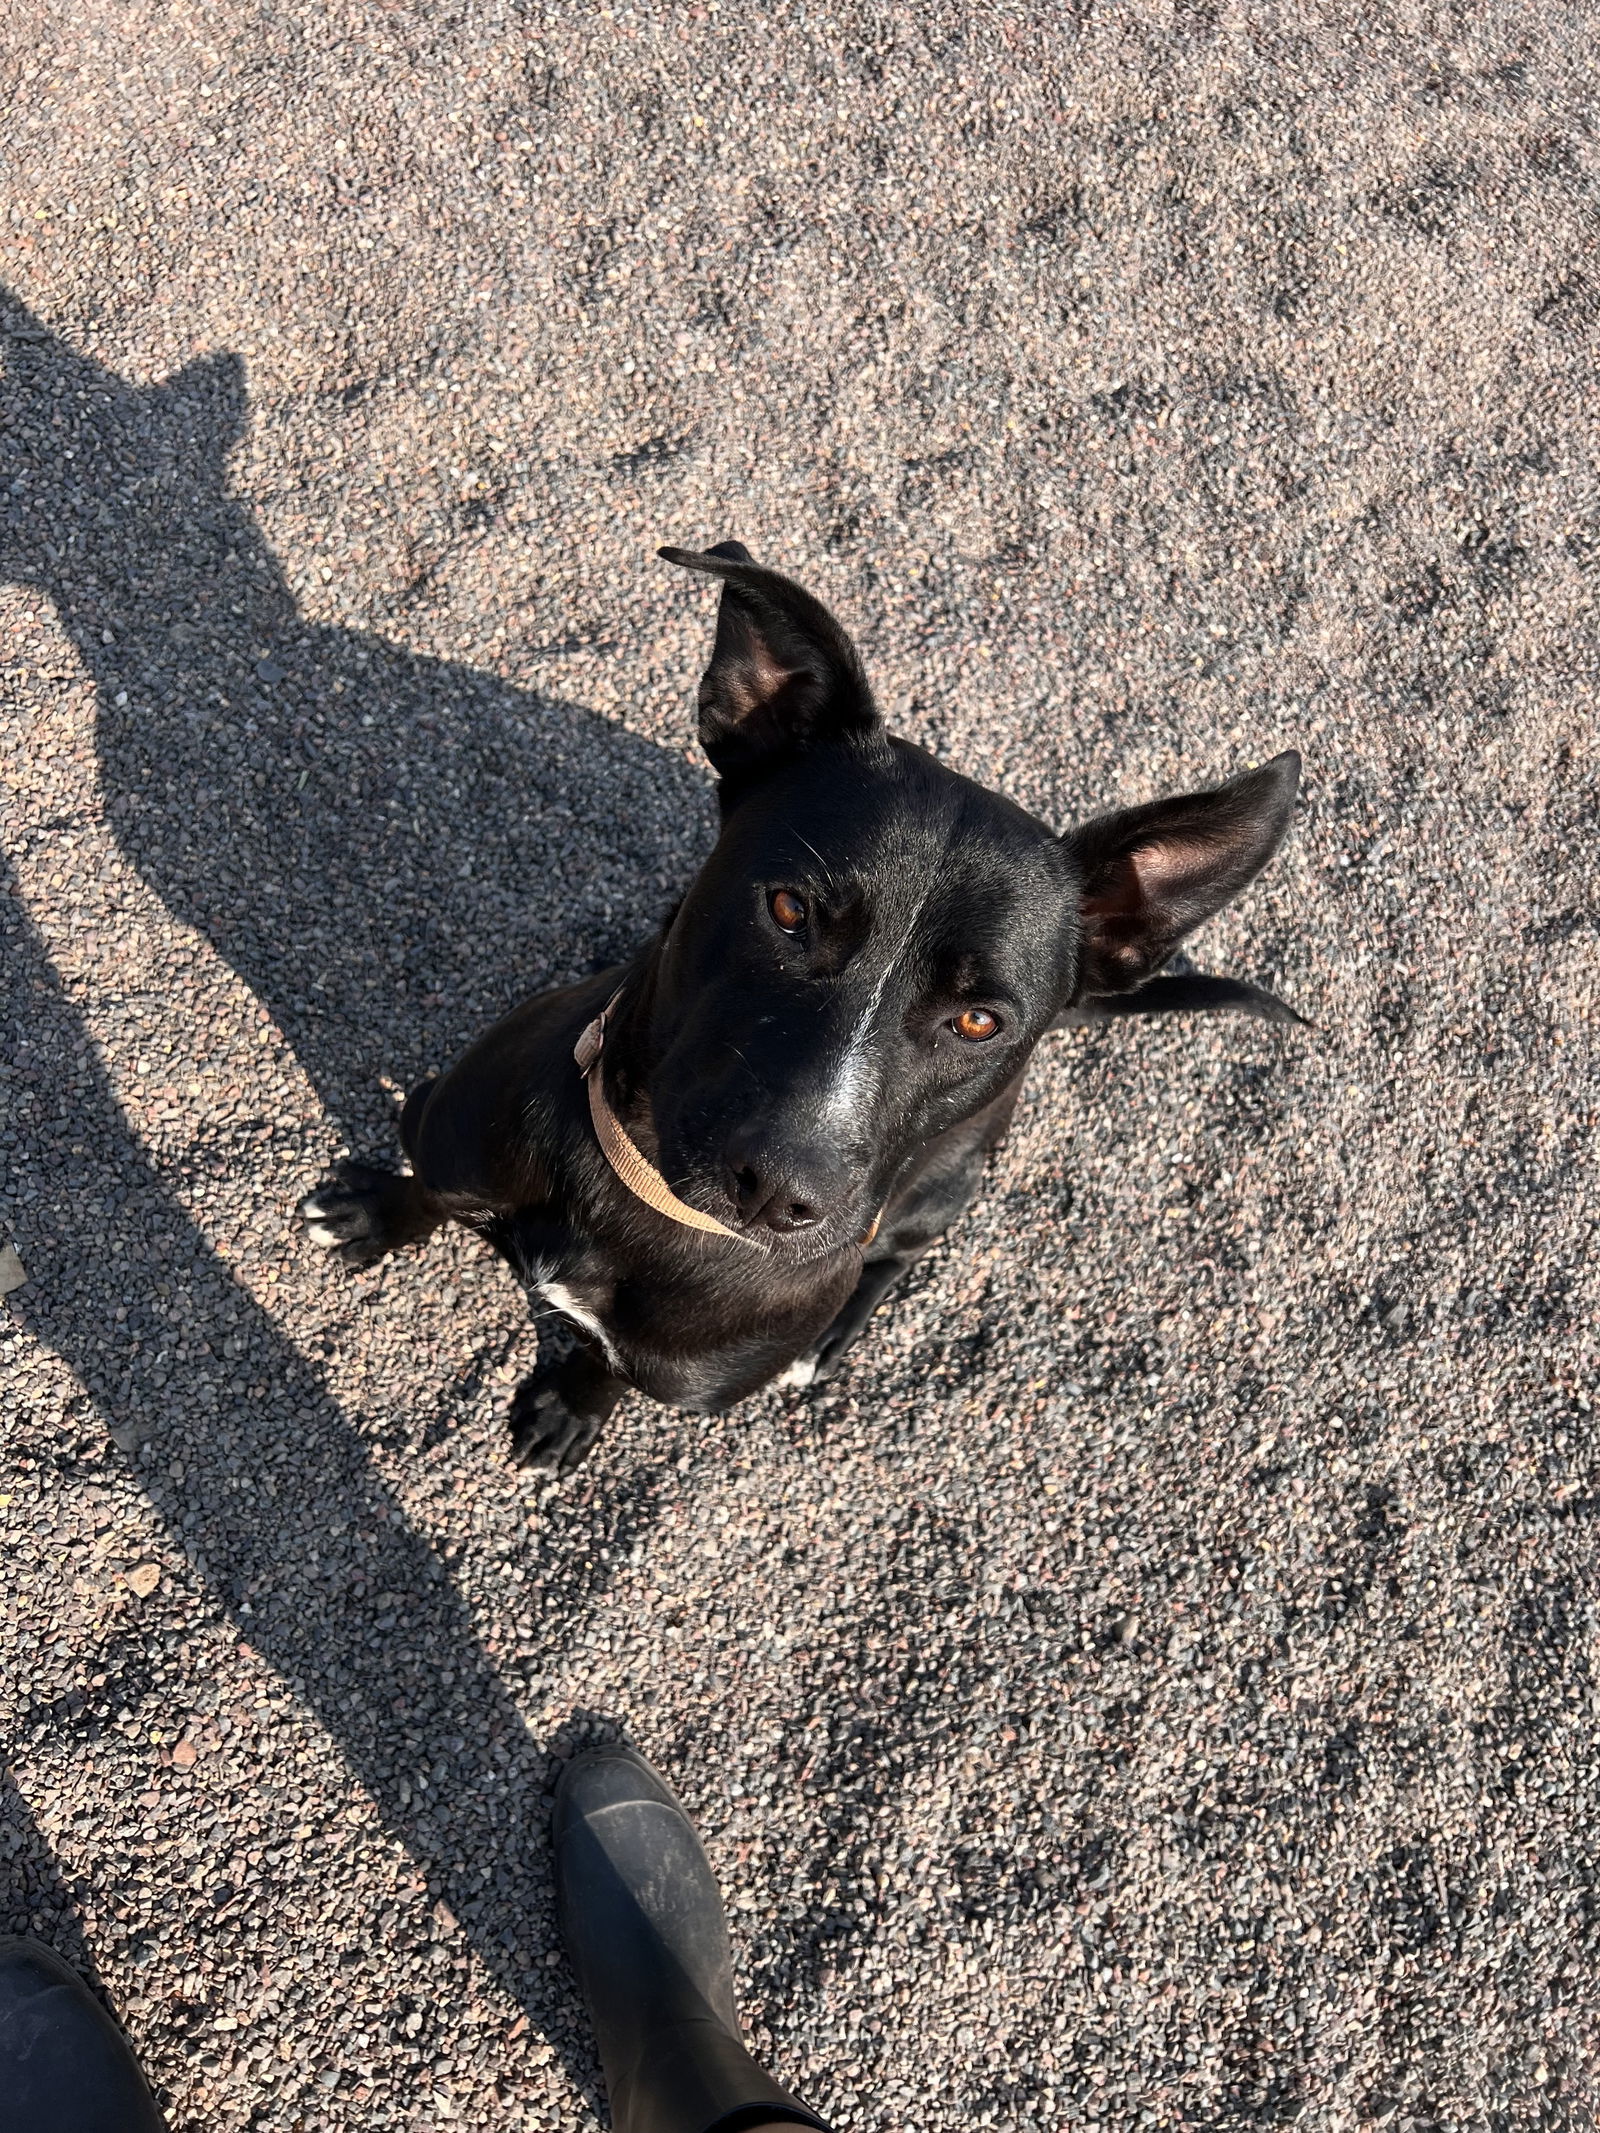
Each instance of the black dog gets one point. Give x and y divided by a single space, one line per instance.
819 1049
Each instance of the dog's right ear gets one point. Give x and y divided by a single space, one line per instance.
783 674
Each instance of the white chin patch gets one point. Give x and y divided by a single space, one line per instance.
312 1205
798 1375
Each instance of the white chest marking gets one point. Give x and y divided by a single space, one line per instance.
562 1299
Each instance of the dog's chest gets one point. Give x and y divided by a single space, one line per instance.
584 1307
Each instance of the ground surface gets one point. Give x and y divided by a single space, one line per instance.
1156 1684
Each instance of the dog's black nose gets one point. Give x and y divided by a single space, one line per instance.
781 1188
771 1202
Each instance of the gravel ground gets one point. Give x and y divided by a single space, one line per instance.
1156 1685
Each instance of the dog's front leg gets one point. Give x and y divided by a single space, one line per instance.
877 1280
559 1409
918 1214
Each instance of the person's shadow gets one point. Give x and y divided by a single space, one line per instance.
36 1897
388 851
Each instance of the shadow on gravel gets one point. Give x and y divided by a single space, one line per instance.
35 1897
387 850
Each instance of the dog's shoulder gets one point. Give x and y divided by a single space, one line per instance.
489 1133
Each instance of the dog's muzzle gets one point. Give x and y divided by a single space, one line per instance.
635 1171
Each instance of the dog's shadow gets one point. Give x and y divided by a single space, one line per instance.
388 850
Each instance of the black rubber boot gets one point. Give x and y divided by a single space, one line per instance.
65 2067
646 1935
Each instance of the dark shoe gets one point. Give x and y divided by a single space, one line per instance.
65 2067
647 1938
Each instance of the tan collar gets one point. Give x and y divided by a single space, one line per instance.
642 1178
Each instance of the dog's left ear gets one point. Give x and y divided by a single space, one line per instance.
783 674
1152 874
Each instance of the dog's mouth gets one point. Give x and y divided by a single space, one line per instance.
790 1243
795 1246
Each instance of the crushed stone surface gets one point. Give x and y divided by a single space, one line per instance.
1155 1684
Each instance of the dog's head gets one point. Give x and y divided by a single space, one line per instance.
876 943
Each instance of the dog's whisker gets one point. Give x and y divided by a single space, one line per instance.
828 877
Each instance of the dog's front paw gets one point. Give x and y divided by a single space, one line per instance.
545 1433
818 1364
800 1373
361 1214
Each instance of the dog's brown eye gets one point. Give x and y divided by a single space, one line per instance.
787 909
976 1024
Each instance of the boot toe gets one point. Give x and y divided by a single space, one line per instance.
65 2067
634 1888
612 1776
643 1921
